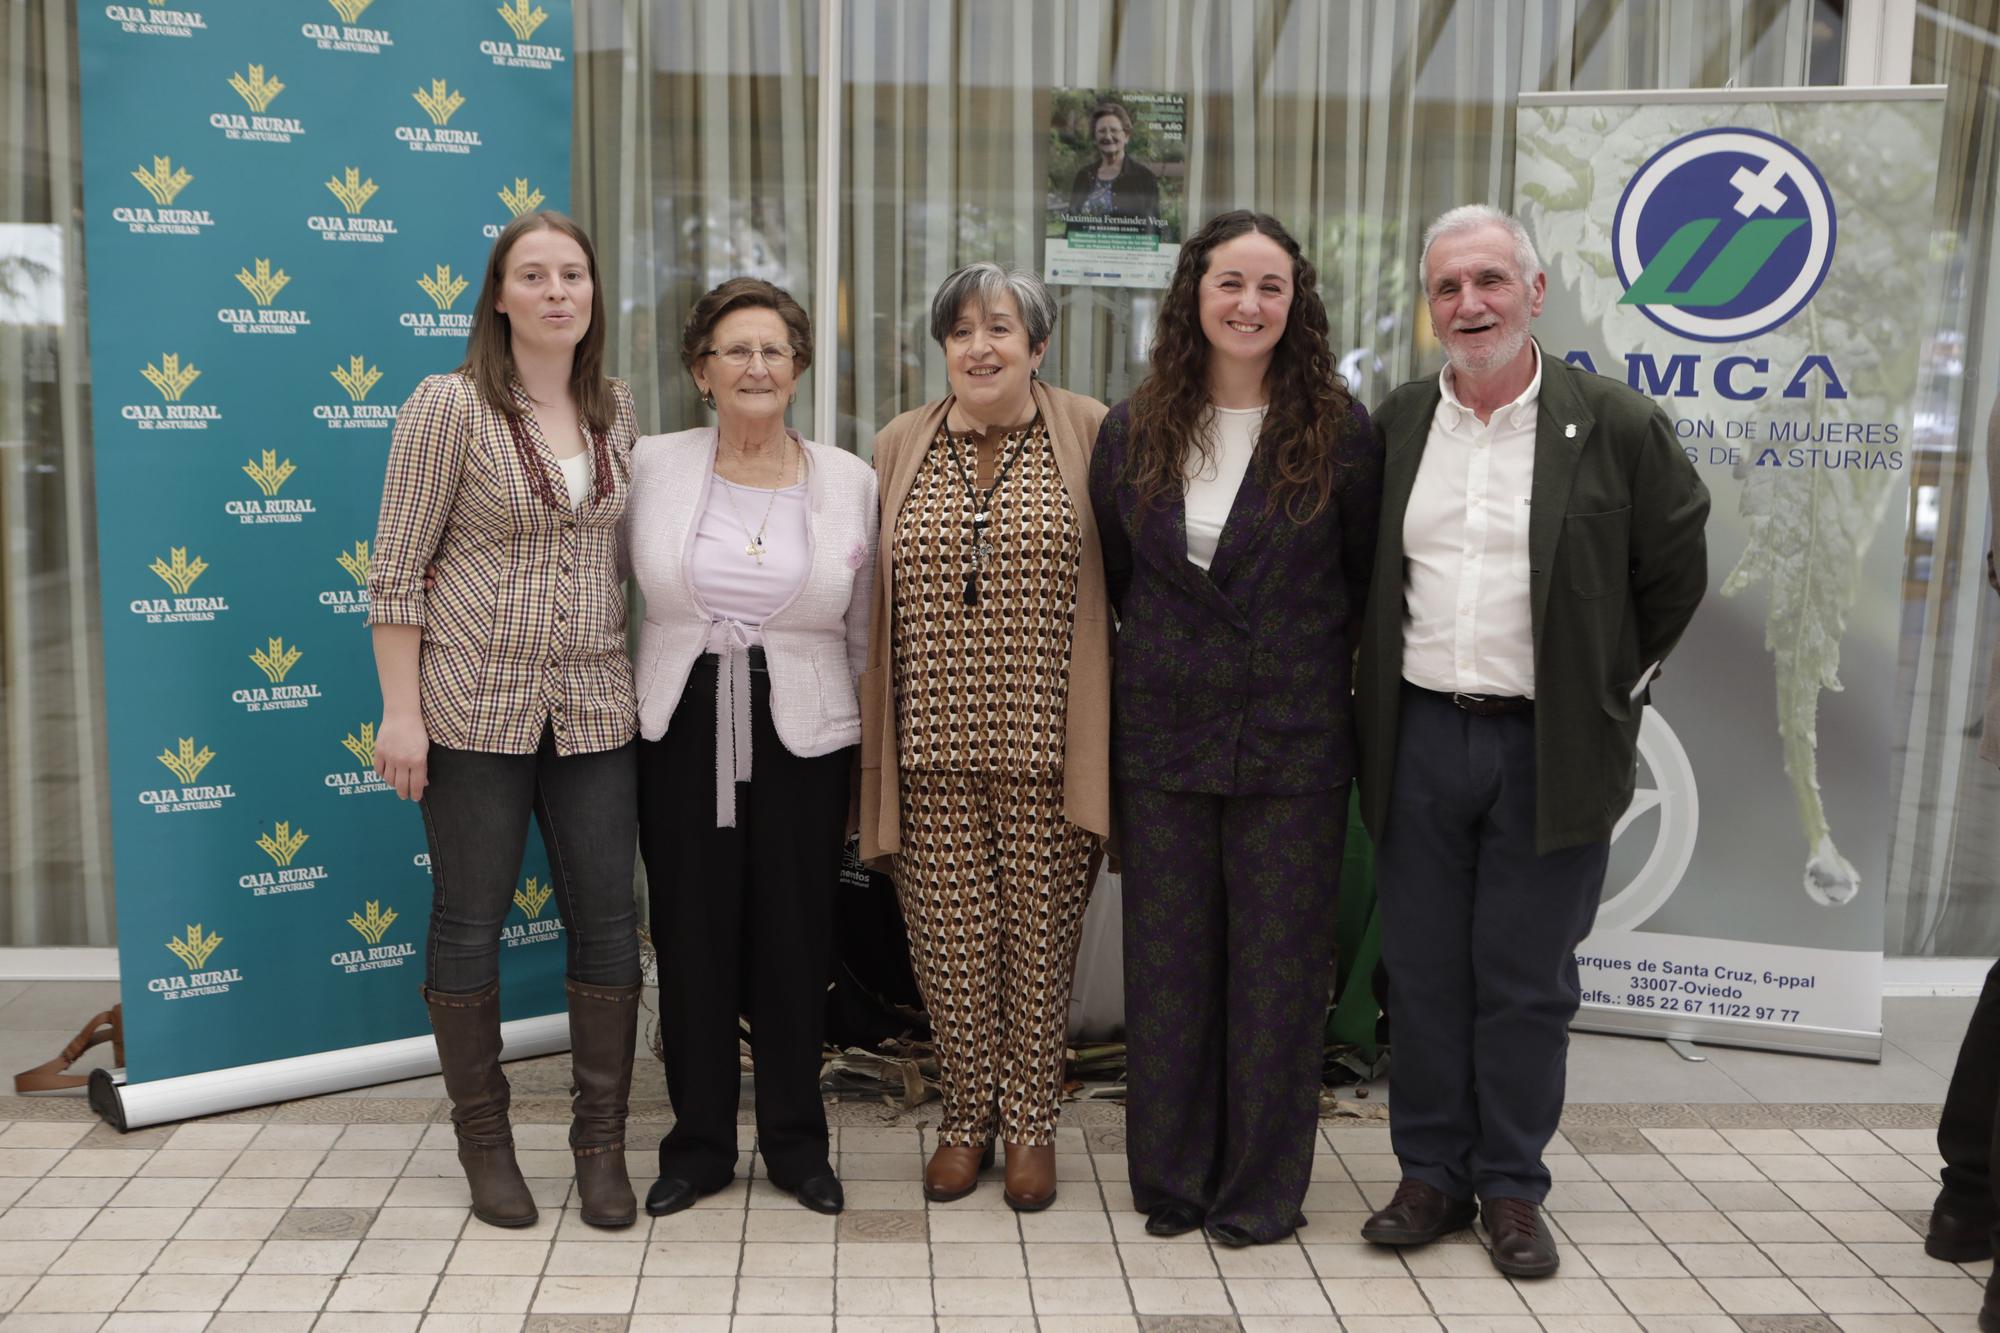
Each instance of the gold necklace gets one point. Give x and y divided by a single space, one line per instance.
756 547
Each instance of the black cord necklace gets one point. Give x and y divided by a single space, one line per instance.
982 504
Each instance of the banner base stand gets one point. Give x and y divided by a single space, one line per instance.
1711 1030
128 1106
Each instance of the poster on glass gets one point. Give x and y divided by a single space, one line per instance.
1116 181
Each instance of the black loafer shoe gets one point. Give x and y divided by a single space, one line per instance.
1522 1245
1961 1230
1418 1215
1228 1233
1173 1219
821 1193
669 1194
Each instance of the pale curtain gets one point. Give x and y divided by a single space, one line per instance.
55 870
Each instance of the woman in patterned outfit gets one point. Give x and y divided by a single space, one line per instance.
985 735
506 692
1237 493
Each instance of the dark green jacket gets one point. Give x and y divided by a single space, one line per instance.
1617 564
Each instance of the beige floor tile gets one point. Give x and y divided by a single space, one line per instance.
498 1257
1740 1259
296 1137
1167 1260
874 1195
448 1322
278 1163
108 1256
585 1295
1883 1323
1093 1323
1692 1228
1612 1228
1390 1324
883 1297
698 1224
156 1321
1758 1295
1620 1167
1581 1196
792 1225
1662 1295
345 1192
952 1225
388 1257
95 1162
374 1321
694 1259
76 1294
1482 1323
1782 1228
261 1321
1275 1296
1853 1296
179 1291
1820 1260
1872 1225
1175 1296
44 1223
1081 1296
782 1323
1445 1260
685 1295
135 1223
978 1260
30 1162
1633 1260
1817 1196
483 1294
1375 1296
1716 1166
29 1258
1687 1140
195 1163
1688 1323
303 1256
548 1222
253 1192
1592 1323
1843 1142
1731 1196
1796 1166
1904 1260
1904 1195
1471 1295
43 1134
1569 1296
1361 1260
290 1291
1939 1295
68 1192
1283 1259
206 1256
381 1136
418 1224
163 1192
230 1224
1051 1260
577 1258
896 1259
211 1137
1067 1227
688 1323
1759 1141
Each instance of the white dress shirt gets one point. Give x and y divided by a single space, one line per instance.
1469 624
1212 483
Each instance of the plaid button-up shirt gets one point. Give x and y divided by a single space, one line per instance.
524 624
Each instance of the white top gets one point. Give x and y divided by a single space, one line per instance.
1212 483
576 474
732 583
1470 623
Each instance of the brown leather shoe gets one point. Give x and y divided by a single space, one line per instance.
1031 1176
468 1043
1522 1245
1961 1230
603 1023
1418 1215
953 1171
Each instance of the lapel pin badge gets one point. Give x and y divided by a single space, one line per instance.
1569 431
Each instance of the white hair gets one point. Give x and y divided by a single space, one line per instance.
1471 217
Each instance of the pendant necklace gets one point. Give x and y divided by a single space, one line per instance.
756 547
982 504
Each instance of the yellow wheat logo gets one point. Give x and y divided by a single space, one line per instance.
276 660
195 948
374 925
177 570
270 475
522 19
522 197
442 287
357 377
281 844
263 285
349 10
186 763
362 747
353 192
356 563
438 102
170 377
532 897
256 90
164 181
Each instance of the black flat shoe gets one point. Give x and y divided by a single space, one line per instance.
821 1193
1173 1219
669 1194
1228 1233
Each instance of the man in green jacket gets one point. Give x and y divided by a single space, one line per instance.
1541 551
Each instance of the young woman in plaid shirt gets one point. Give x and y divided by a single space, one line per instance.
506 691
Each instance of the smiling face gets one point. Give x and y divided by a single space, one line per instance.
753 395
546 292
989 362
1246 298
1480 306
1109 134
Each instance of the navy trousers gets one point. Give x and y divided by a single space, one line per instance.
1479 936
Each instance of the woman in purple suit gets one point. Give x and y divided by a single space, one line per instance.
1237 494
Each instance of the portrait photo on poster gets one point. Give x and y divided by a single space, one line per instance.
1117 184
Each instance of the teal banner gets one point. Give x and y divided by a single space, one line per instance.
289 208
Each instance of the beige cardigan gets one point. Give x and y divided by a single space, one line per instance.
1072 421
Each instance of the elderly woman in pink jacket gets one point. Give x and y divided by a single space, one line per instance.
754 549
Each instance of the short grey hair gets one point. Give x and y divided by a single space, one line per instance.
986 283
1471 217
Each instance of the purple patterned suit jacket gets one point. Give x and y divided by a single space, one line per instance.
1236 680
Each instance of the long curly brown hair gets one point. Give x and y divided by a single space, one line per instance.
1310 409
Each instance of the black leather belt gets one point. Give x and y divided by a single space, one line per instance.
1483 705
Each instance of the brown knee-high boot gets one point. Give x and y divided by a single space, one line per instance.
468 1042
603 1021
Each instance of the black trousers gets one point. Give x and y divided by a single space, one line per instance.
1479 935
1969 1127
743 923
476 811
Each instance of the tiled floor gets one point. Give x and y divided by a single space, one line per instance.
1688 1213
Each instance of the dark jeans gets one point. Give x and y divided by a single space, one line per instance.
743 921
1969 1127
476 818
1479 934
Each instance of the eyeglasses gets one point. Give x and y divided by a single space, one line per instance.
741 354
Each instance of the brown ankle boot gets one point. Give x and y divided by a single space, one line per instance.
602 1023
468 1042
953 1172
1031 1176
